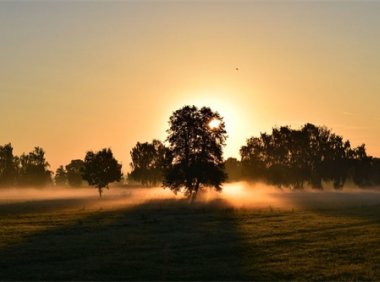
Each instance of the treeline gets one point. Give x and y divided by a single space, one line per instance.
71 174
84 172
29 169
32 169
149 162
311 155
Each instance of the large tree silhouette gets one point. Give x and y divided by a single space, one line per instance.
196 148
101 168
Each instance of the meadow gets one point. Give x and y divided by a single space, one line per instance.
244 233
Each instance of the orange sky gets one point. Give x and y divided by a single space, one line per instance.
78 76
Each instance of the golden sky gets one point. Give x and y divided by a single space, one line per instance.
78 76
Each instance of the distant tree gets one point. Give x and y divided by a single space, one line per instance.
60 177
375 171
33 169
74 173
337 161
310 155
149 162
363 173
101 168
233 169
196 138
254 159
8 166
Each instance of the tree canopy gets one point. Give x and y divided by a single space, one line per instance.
193 159
149 162
60 177
309 155
27 170
74 171
8 166
101 168
196 148
33 169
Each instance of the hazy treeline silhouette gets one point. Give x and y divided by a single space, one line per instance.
26 170
193 158
97 169
71 174
310 155
32 169
149 162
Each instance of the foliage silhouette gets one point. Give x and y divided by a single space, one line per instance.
312 155
60 177
8 166
233 169
149 162
196 149
33 169
74 173
101 168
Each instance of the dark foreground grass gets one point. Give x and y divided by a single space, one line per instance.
171 240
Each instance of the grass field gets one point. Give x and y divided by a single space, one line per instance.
320 236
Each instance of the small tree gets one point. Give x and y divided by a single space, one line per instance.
196 138
101 168
60 177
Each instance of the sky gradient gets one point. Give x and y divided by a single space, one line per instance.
78 76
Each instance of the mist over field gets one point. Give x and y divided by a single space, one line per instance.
249 232
58 198
236 195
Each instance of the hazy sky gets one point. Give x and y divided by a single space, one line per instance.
76 76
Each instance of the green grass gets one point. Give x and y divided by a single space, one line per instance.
172 240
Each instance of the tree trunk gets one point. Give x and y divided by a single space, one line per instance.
195 192
100 192
193 197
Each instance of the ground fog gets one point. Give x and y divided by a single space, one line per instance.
237 195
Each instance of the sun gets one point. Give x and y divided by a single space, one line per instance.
214 123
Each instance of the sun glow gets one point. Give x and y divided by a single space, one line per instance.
214 123
223 101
